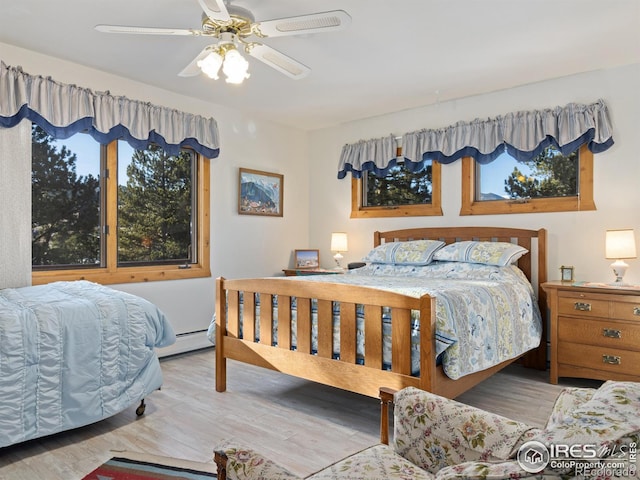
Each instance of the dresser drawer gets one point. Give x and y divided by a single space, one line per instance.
576 304
600 332
627 309
599 358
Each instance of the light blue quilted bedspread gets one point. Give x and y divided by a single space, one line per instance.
73 353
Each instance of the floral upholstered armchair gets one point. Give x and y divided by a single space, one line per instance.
438 438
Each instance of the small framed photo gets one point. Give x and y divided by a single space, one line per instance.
260 193
307 259
566 273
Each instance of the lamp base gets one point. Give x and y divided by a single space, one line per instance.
619 269
337 257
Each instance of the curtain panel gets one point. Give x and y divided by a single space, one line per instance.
63 110
523 135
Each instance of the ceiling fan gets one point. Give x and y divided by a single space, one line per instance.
233 26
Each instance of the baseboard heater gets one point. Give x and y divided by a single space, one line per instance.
186 342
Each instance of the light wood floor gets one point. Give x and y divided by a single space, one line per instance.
302 425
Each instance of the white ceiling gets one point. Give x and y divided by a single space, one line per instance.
395 54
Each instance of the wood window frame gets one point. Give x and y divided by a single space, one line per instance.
111 273
423 210
582 202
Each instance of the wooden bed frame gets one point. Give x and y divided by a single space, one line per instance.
345 373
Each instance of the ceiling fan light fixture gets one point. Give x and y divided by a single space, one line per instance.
210 65
232 25
235 67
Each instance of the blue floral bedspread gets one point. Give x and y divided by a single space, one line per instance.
484 314
73 353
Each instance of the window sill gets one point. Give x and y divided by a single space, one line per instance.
406 211
542 205
122 275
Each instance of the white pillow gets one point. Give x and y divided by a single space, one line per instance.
414 252
488 253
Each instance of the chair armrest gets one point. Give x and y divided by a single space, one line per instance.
434 432
237 463
568 400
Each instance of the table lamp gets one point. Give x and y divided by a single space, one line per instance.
619 245
338 245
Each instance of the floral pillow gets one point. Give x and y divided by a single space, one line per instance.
414 252
488 253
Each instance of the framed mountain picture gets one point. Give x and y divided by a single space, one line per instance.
260 193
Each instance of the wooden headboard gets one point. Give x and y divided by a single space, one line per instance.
534 264
533 240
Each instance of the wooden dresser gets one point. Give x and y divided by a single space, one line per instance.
595 332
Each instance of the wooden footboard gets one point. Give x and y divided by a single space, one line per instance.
320 366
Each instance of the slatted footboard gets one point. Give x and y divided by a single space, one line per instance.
236 324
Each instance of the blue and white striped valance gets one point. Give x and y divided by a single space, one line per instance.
63 110
523 135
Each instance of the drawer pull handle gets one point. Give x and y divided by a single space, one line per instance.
636 311
611 333
611 359
583 307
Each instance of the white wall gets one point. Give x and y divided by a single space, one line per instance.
241 245
574 238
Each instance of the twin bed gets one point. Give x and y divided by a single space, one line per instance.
74 353
439 309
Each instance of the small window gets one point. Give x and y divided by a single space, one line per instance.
551 182
400 193
113 214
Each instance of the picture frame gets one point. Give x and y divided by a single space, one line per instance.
260 193
566 273
307 259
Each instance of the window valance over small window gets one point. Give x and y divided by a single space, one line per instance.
522 134
63 110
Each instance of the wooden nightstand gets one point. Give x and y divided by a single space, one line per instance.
292 272
595 332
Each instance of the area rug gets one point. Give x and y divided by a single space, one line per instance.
130 466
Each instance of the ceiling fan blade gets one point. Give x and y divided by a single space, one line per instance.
312 23
146 30
192 69
278 60
215 9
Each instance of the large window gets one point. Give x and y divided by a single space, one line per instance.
551 182
156 206
114 214
399 193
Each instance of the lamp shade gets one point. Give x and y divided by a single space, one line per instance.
339 242
620 244
210 65
235 67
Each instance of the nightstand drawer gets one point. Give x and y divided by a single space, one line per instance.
576 304
605 333
627 310
599 358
